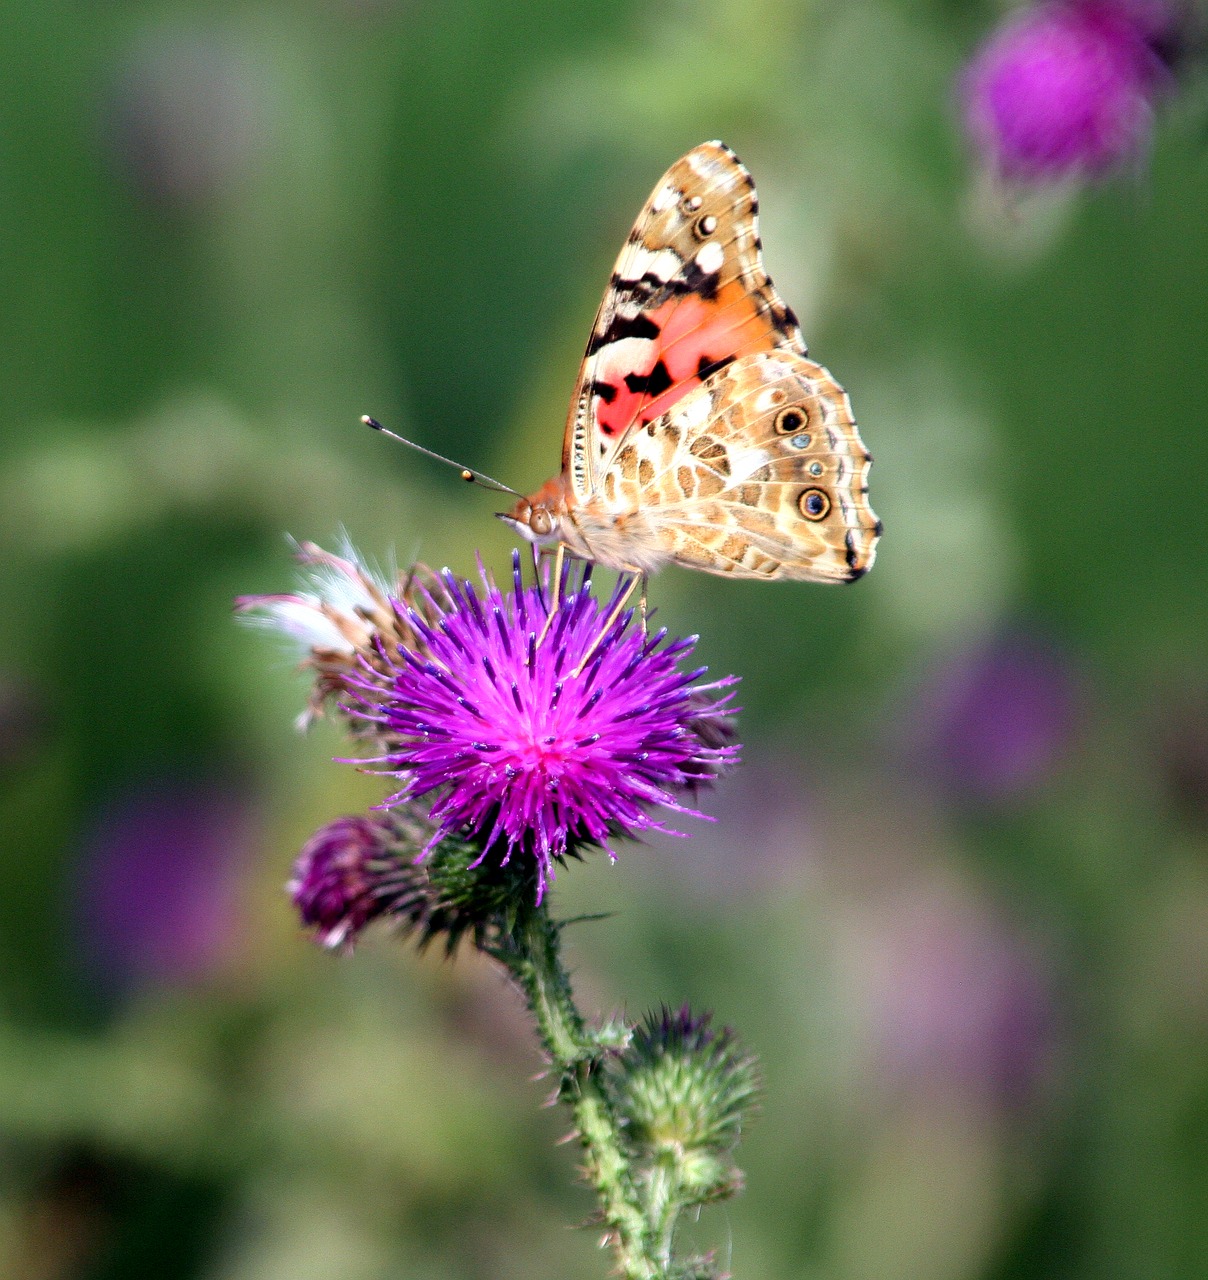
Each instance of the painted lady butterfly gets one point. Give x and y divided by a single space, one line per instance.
699 434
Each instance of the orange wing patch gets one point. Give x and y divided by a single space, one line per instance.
687 297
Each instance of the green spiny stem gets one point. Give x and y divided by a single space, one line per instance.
663 1203
531 952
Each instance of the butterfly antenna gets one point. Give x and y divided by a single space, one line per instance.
472 477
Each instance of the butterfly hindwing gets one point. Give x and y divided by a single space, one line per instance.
688 295
759 472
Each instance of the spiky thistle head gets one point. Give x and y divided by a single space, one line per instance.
683 1092
535 734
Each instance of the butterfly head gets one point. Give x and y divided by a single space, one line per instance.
539 518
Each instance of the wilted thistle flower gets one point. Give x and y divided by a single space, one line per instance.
359 869
1067 89
683 1092
346 619
534 741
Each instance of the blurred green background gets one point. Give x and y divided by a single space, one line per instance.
957 898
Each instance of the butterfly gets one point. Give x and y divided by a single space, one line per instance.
699 433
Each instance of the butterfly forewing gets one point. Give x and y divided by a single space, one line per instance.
687 296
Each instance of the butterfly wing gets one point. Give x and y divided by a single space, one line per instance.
759 472
688 295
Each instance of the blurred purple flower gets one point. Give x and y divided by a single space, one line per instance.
1067 89
187 117
993 722
953 994
159 882
525 751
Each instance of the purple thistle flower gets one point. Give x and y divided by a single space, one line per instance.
997 719
539 742
159 883
1067 89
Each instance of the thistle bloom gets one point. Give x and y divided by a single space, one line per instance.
525 730
999 718
535 741
1067 89
159 881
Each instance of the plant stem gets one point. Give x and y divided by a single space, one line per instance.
532 954
662 1199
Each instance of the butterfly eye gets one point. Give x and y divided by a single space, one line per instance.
791 419
813 504
541 522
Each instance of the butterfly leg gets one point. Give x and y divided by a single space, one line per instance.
555 592
612 617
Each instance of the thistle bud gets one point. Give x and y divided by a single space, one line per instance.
338 879
683 1091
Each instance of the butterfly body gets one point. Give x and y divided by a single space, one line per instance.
699 432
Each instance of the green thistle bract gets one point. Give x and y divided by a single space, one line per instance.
683 1092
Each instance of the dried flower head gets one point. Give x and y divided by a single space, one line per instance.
357 870
1067 89
346 619
534 740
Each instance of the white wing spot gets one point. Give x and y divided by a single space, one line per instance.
695 412
622 357
745 462
665 198
663 264
709 258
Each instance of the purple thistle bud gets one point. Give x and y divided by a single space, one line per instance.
1067 89
339 876
538 740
